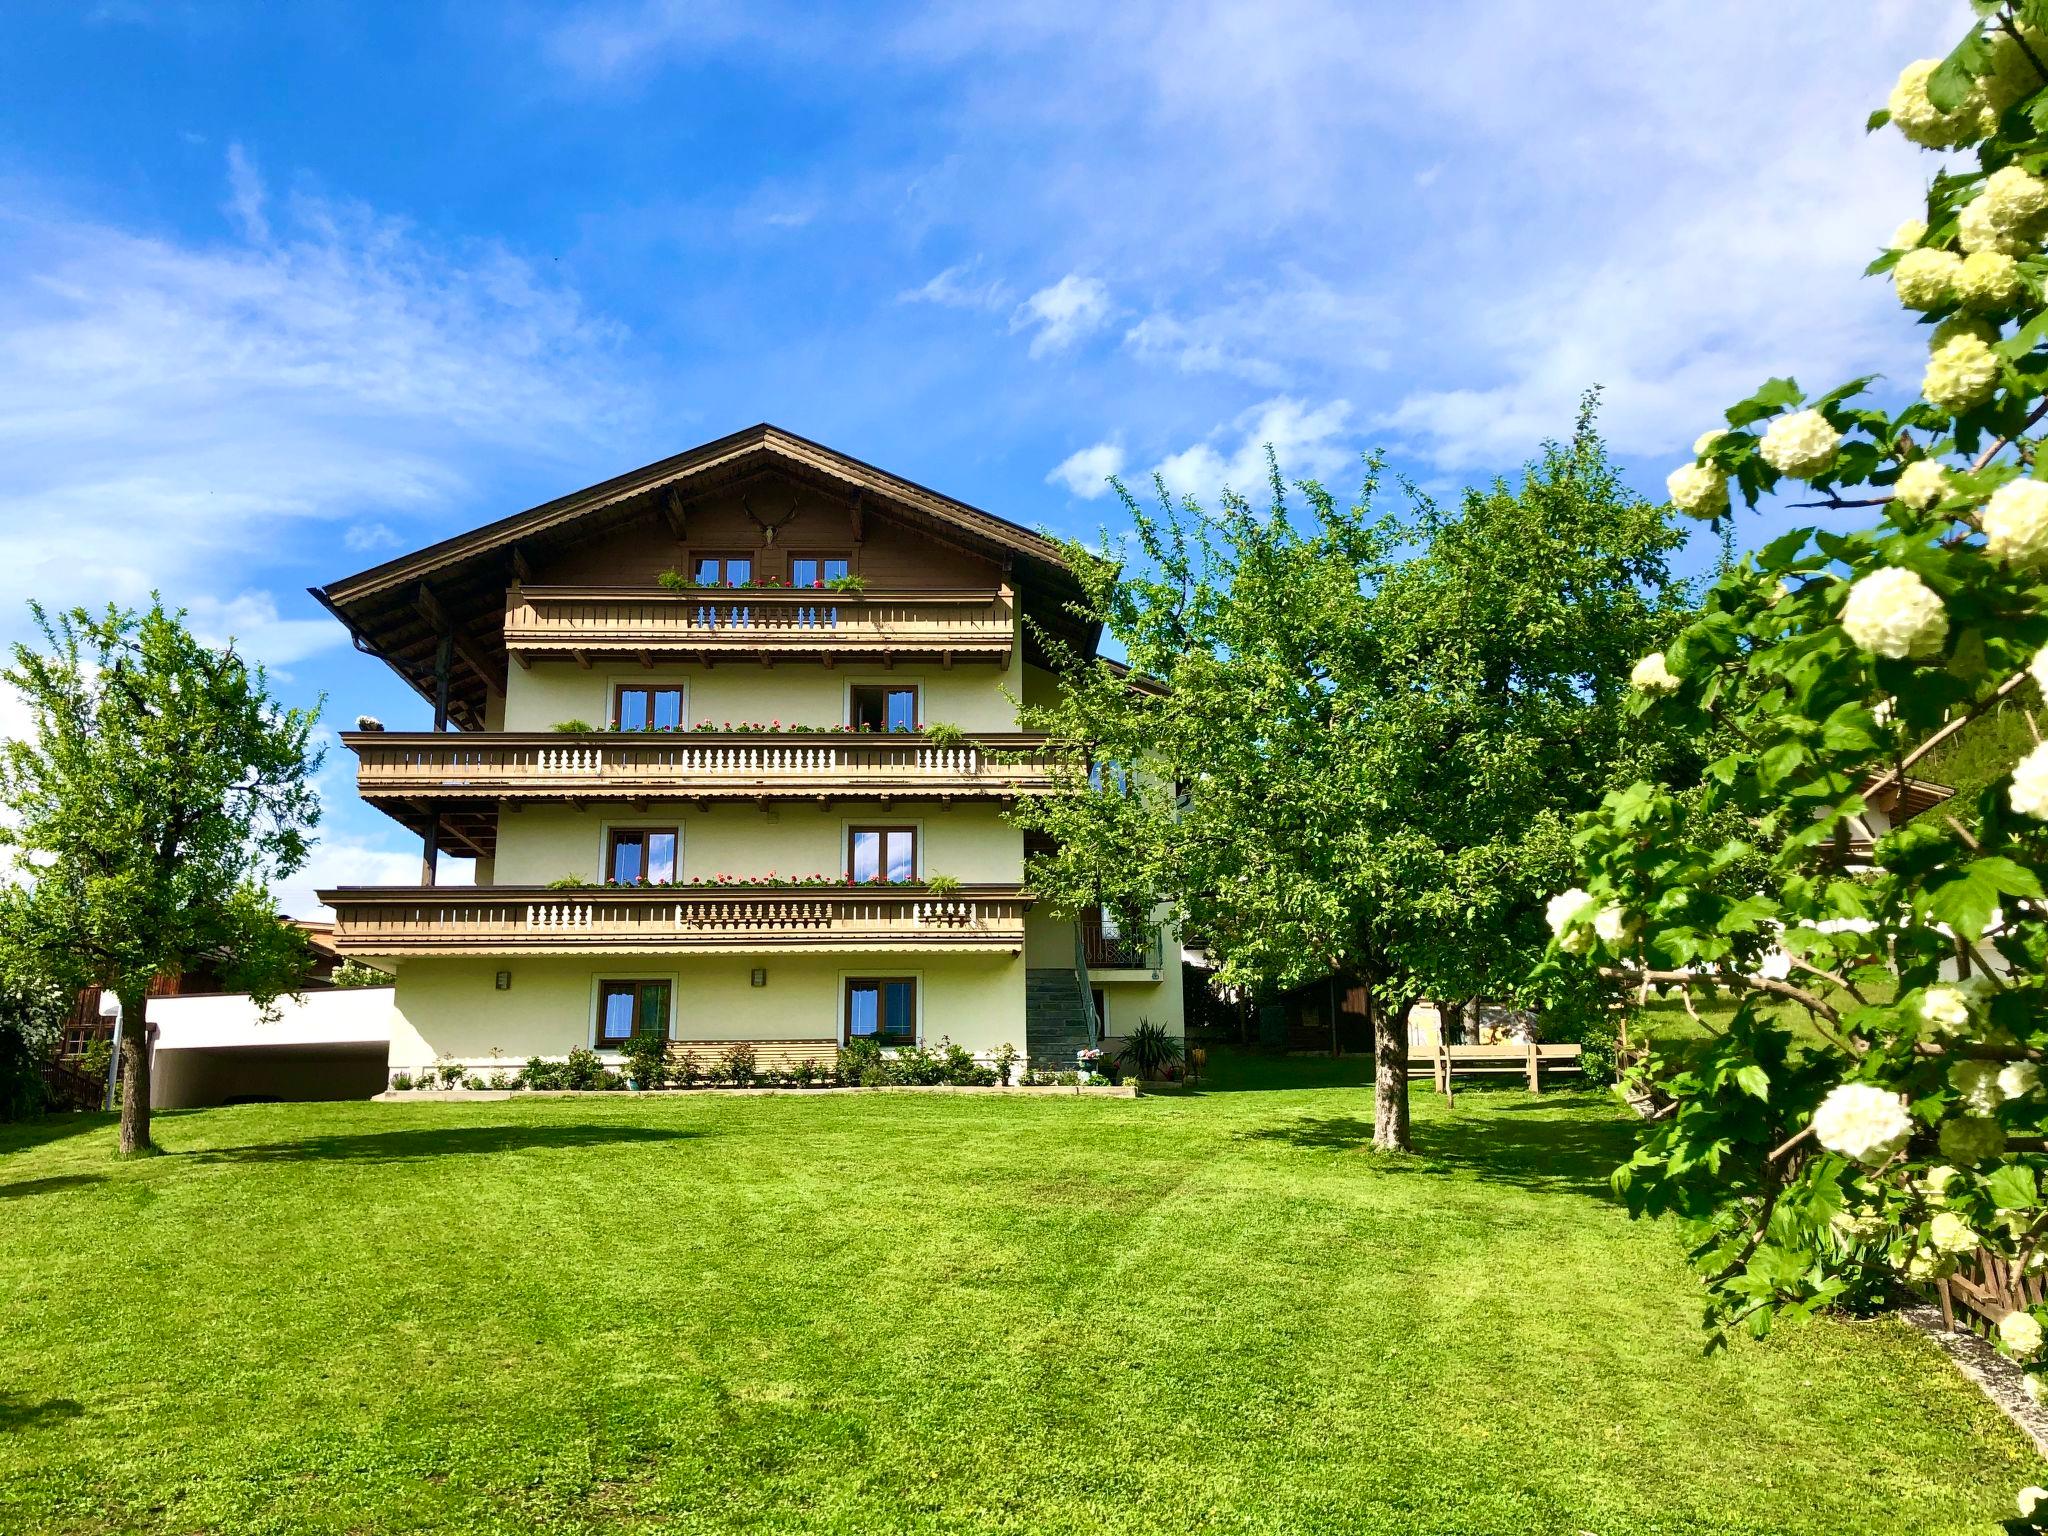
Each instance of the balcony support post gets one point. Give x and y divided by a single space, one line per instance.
430 844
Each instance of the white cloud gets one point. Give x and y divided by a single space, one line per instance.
1266 331
1311 443
251 621
1063 314
355 861
166 409
246 196
1086 471
603 43
960 287
368 538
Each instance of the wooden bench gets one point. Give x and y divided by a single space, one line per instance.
1521 1058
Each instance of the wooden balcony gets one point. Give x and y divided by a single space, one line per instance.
1104 950
693 765
386 920
763 624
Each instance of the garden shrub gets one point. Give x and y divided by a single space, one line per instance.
736 1065
647 1059
583 1071
401 1082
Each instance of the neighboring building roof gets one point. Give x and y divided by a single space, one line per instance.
396 610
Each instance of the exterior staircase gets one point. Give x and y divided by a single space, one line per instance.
1056 1021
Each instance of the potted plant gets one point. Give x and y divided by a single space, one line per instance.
1090 1060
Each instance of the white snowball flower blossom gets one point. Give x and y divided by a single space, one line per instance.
1862 1122
1961 324
2019 1079
1562 914
1909 234
1946 1008
2029 793
1776 966
2020 1332
1800 445
2012 200
1977 229
1988 281
1921 484
2016 523
1927 1265
1653 675
2036 1389
1972 1139
1927 278
1949 1233
1704 443
1611 926
1977 1082
1935 1183
2038 669
1698 490
1961 374
1892 612
1915 115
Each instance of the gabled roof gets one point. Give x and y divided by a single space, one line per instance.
398 609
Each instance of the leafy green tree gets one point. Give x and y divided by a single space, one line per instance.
1373 731
1911 1141
159 789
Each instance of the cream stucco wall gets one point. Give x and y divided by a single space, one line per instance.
969 841
1127 996
971 695
451 1007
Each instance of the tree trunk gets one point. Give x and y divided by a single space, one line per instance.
1389 1075
135 1074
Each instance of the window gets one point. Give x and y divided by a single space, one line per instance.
639 708
641 855
816 570
722 570
882 707
886 854
629 1008
882 1008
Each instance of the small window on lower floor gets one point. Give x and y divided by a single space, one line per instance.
882 1008
629 1008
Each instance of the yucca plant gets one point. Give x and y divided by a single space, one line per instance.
1150 1051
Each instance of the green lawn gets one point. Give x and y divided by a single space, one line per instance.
921 1313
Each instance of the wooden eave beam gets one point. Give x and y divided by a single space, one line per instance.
473 655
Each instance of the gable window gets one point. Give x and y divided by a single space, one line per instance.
816 570
629 1008
636 707
886 855
882 1008
882 707
722 570
640 856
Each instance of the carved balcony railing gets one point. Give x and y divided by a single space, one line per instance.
758 623
1107 950
693 765
385 920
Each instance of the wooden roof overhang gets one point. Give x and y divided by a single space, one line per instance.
400 610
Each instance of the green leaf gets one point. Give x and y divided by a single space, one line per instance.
2012 1186
1773 396
1966 900
1754 1081
1876 120
1957 74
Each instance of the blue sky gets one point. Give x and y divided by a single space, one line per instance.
286 289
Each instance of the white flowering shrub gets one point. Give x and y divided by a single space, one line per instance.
1912 1142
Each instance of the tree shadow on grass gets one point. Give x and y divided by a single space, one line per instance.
422 1145
20 1413
1560 1156
56 1181
44 1129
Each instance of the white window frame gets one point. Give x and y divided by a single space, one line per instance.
593 1033
866 973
